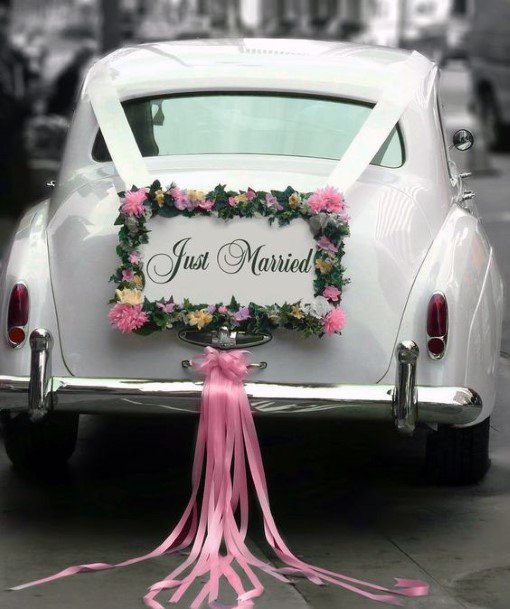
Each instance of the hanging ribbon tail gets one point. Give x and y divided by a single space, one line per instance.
227 450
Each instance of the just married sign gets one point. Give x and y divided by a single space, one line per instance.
248 260
207 259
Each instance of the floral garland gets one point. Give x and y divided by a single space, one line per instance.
324 209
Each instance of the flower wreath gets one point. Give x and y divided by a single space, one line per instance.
324 209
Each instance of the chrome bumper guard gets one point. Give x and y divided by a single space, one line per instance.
404 403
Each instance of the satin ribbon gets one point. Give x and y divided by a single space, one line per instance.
228 447
404 82
119 138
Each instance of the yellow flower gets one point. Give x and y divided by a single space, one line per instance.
323 266
199 318
195 196
242 198
294 200
296 312
130 297
159 195
138 280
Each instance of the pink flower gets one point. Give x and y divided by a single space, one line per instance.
331 293
325 244
222 310
250 194
181 199
176 193
242 314
206 205
166 307
326 199
211 309
272 202
135 257
128 275
334 321
128 317
232 201
133 203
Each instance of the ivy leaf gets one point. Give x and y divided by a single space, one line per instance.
146 330
168 212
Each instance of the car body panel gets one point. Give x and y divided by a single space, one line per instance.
390 236
460 264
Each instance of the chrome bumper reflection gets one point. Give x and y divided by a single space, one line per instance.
403 403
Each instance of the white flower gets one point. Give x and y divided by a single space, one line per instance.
131 224
319 308
318 222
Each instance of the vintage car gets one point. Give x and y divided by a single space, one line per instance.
421 291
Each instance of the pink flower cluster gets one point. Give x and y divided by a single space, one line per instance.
167 307
206 205
326 245
135 258
242 315
327 199
128 317
331 293
334 321
133 203
181 199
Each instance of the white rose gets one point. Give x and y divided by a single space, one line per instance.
319 308
132 225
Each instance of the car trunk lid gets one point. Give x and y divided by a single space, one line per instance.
389 239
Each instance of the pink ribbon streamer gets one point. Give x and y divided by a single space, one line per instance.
227 445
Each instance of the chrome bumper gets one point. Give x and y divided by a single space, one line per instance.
404 403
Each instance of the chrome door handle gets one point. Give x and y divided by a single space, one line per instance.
465 175
467 195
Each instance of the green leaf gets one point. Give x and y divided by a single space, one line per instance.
168 212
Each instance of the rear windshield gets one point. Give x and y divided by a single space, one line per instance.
250 123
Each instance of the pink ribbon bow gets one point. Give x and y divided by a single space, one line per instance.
227 442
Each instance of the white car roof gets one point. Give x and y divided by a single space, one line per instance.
306 66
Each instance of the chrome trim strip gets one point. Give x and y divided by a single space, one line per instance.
448 405
186 363
404 403
223 338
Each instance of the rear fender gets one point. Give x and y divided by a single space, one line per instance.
461 264
27 261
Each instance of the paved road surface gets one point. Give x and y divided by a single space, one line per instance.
348 497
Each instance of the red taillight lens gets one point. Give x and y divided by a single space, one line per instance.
17 336
437 325
17 319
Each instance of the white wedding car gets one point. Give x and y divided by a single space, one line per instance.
424 300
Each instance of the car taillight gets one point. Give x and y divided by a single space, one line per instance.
437 325
17 318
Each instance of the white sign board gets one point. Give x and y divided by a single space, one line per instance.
208 260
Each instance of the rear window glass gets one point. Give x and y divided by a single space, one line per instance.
250 123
